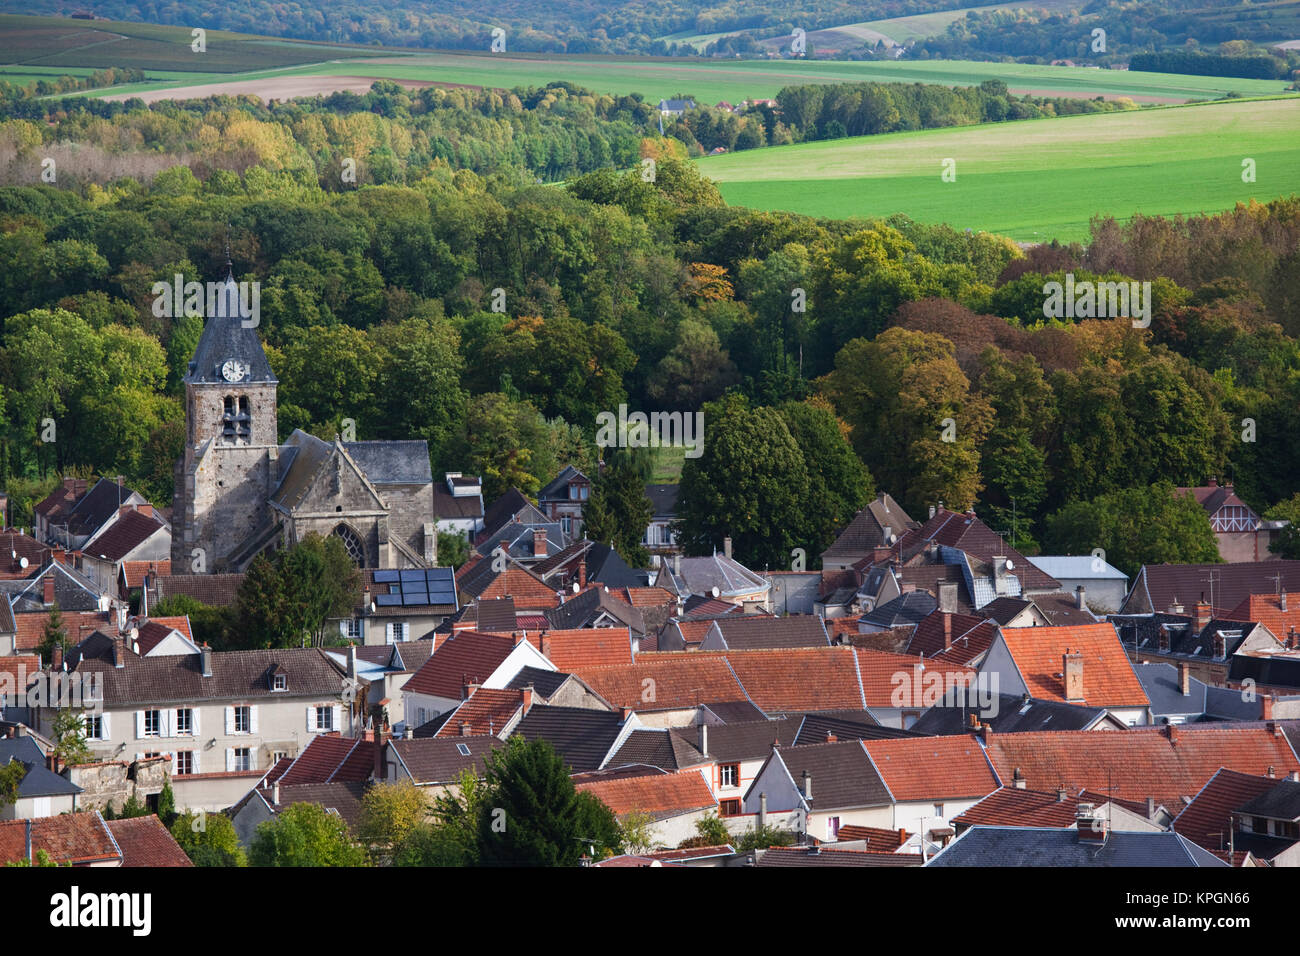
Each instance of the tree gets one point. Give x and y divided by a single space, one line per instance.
167 803
286 601
533 816
69 732
389 812
208 839
453 548
1135 526
11 775
696 370
618 511
749 484
451 838
635 834
761 837
709 831
53 635
304 835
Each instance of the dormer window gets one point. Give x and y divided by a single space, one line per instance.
279 682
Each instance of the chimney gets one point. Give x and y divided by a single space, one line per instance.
1281 600
539 542
762 809
1171 731
1062 794
948 597
582 572
1151 808
704 739
626 715
677 565
205 656
469 689
1214 482
947 627
352 661
381 768
831 738
1018 780
1266 707
56 658
985 732
546 645
48 584
1072 672
726 546
275 793
1091 827
465 728
528 699
145 509
1078 598
807 785
410 732
504 545
1203 613
1185 678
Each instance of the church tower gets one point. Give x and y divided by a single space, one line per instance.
228 468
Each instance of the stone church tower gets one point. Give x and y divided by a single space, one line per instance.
228 469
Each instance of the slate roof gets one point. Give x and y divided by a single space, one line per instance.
1108 678
664 499
1012 715
243 674
908 608
581 737
1166 763
439 760
96 506
39 780
661 794
1165 691
1061 610
606 566
842 775
865 532
77 838
658 747
1280 802
123 536
751 740
1003 610
699 575
521 541
73 591
845 725
581 609
1204 821
1075 567
145 841
1276 671
302 456
971 535
557 487
818 855
61 500
1158 586
502 511
544 683
463 657
493 616
734 711
758 632
225 337
214 590
393 462
1024 846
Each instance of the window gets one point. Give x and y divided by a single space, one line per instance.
184 723
228 419
153 723
397 632
243 720
352 543
243 758
463 749
94 728
729 808
938 810
184 762
1258 825
278 755
244 420
280 682
566 524
729 774
832 828
351 629
325 718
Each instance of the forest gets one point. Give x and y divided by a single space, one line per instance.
496 316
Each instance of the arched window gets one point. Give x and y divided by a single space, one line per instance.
356 550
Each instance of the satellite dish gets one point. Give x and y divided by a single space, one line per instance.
1010 566
22 563
715 592
893 538
576 587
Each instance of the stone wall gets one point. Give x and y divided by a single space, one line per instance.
117 781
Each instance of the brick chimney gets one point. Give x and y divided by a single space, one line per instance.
465 728
1072 674
145 509
47 583
1171 732
1266 707
626 714
539 542
546 645
582 572
469 689
947 631
831 738
986 732
1185 678
527 699
1203 614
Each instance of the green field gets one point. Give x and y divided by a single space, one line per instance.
67 44
1034 180
709 81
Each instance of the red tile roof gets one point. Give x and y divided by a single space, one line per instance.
460 658
487 712
885 676
799 679
61 500
14 548
1204 821
154 631
664 680
646 597
124 535
659 794
529 591
573 648
76 838
1012 807
21 669
77 625
878 839
1165 763
1108 677
932 768
146 842
1266 609
330 758
134 571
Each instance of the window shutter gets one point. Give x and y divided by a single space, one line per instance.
230 721
311 720
165 724
139 725
337 714
388 632
252 719
194 761
343 628
104 732
175 758
230 759
194 725
139 757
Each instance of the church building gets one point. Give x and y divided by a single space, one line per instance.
240 492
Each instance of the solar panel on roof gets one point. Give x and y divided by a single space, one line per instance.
386 577
387 600
413 578
442 596
415 597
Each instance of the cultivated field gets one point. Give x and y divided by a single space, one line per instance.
710 81
1033 180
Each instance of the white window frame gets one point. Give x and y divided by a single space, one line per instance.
325 719
178 720
158 722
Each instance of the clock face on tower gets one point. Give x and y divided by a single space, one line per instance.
234 370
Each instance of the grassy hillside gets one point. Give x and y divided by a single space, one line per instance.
1035 180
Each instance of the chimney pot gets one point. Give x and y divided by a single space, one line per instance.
807 785
704 738
1072 676
1266 707
1078 598
275 793
726 546
465 728
205 656
1062 794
